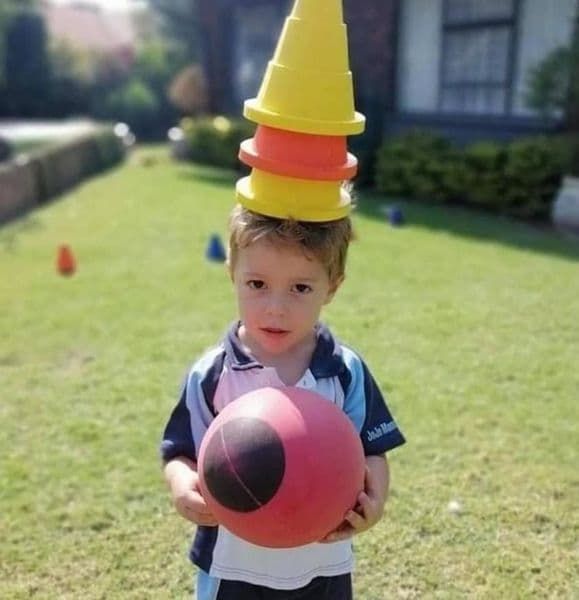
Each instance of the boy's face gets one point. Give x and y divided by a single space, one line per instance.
280 293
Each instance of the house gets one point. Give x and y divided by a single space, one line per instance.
459 67
87 26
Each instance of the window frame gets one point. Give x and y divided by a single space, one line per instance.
478 24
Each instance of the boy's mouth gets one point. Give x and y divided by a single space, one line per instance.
274 330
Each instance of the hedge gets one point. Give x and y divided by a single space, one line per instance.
519 178
32 179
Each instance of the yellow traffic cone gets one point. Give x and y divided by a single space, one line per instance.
308 87
293 198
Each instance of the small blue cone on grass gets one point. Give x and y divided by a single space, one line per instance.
215 250
395 216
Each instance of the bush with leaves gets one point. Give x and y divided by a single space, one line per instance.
517 179
532 175
133 103
215 141
483 181
417 165
5 150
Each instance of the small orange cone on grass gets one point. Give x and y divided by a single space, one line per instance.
65 261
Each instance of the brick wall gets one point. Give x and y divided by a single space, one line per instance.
372 26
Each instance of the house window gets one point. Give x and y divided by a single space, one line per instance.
477 57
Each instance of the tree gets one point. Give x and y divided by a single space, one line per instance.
74 73
179 24
572 112
26 65
8 10
548 83
553 89
573 95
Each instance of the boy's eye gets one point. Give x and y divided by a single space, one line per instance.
302 288
255 284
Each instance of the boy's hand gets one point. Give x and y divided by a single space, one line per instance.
184 484
191 505
370 507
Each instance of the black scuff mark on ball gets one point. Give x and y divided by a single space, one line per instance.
244 464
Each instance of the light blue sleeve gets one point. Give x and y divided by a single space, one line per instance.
365 406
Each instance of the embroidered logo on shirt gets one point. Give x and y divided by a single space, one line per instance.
380 430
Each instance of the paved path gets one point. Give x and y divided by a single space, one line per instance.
14 130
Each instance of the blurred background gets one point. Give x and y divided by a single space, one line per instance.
466 101
120 124
106 60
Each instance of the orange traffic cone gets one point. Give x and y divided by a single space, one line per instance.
65 262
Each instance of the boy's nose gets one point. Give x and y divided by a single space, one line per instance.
276 305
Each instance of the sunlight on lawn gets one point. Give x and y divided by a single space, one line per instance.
468 322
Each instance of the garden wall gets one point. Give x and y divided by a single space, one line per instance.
33 179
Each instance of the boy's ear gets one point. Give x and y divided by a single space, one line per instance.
229 268
334 286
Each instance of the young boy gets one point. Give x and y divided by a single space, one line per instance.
283 273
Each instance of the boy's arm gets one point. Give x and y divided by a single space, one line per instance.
380 477
178 449
365 406
370 507
183 481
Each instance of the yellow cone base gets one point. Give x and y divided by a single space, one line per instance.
291 198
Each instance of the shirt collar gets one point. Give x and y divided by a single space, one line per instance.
326 360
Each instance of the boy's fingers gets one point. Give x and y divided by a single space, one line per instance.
364 503
204 514
201 518
207 520
368 481
193 507
195 501
339 535
356 520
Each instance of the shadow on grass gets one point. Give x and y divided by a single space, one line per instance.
211 175
471 223
460 221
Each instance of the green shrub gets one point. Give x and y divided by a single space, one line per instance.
569 148
532 175
6 150
134 103
519 179
60 166
110 148
483 181
416 165
215 141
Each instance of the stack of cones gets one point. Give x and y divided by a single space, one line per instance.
304 112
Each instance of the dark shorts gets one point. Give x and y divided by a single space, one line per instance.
320 588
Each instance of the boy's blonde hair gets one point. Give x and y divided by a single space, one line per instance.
327 241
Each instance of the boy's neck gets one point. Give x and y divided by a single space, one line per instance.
290 365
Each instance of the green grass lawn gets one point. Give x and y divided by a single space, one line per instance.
470 324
